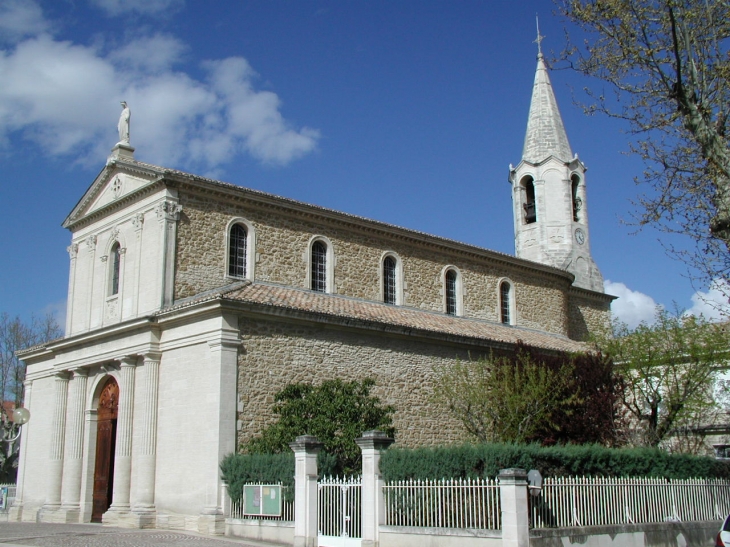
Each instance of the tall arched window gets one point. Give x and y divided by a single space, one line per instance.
390 292
529 203
319 267
237 251
577 202
505 303
450 292
115 264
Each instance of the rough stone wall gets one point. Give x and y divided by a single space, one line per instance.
275 354
281 257
587 315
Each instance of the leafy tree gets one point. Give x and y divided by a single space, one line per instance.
670 374
531 397
15 335
667 64
334 411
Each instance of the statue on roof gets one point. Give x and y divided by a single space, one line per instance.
123 125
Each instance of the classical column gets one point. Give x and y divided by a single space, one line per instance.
147 452
305 450
73 453
123 453
58 428
372 443
513 498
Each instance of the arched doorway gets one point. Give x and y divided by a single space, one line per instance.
106 435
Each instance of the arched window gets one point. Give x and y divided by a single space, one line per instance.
577 201
114 264
505 302
390 291
237 251
529 203
319 267
450 293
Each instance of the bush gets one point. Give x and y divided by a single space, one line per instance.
240 469
486 460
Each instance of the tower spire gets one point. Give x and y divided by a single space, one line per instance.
545 134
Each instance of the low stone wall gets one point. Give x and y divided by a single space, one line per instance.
401 536
274 531
665 534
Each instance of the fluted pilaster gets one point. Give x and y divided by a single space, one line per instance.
58 429
73 462
123 454
147 454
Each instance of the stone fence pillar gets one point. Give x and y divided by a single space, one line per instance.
373 509
515 518
305 449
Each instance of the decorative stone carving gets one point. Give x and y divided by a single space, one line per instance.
168 210
117 186
91 242
138 221
104 258
115 233
73 250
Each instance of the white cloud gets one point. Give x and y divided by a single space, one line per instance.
65 98
713 304
148 7
20 18
631 307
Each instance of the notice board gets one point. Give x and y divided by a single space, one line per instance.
262 499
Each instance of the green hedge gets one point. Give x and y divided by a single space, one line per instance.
472 461
240 469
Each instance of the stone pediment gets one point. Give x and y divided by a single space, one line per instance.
117 181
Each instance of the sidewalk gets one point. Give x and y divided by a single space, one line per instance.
96 535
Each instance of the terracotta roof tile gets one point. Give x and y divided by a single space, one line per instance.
397 316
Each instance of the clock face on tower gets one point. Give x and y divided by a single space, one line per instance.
580 236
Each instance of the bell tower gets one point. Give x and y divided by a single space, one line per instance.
549 191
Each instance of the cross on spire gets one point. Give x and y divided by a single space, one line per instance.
539 38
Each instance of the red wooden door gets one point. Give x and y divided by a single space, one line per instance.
106 434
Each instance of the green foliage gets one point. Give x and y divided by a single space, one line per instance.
670 375
529 396
486 460
663 68
336 412
240 469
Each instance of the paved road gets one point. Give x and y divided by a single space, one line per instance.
96 535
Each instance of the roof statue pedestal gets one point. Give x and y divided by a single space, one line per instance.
123 150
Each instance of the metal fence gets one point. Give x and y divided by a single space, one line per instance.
445 503
596 501
340 507
287 508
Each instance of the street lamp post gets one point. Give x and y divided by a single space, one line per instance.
10 431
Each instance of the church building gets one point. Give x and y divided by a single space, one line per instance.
192 302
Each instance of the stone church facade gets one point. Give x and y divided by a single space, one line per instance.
192 302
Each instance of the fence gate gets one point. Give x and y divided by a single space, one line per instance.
339 512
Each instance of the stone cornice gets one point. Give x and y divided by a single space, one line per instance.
591 295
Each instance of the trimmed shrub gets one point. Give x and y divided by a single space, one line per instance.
240 469
486 460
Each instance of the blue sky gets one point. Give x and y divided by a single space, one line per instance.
408 112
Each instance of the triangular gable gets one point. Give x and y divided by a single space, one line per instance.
114 182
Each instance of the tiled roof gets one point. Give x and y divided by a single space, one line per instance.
277 299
